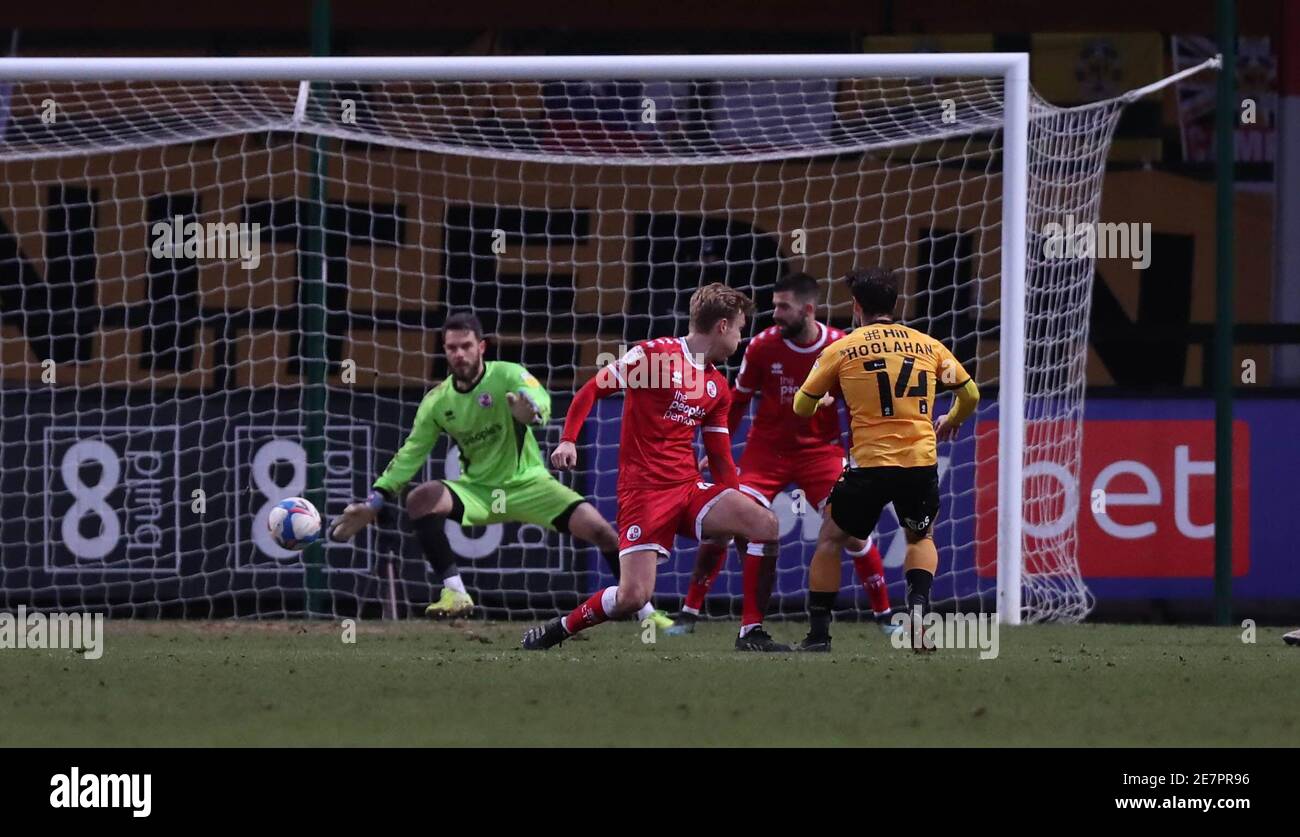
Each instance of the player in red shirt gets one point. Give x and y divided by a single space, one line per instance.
672 389
783 449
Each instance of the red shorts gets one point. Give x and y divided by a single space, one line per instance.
651 517
763 474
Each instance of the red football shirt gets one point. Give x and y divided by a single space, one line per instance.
774 368
667 396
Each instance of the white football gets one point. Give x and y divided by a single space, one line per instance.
294 523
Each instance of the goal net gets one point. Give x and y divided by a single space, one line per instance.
215 294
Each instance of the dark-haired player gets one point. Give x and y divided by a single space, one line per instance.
889 375
488 408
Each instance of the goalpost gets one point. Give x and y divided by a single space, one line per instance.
322 216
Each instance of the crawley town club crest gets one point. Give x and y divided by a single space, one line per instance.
485 400
712 389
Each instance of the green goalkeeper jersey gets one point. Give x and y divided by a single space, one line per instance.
494 448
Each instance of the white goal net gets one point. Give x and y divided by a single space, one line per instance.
162 383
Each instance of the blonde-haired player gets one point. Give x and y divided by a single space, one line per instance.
673 392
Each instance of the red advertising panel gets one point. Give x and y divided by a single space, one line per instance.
1144 502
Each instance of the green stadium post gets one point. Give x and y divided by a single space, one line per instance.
313 328
1225 160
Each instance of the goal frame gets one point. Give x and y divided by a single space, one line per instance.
1011 67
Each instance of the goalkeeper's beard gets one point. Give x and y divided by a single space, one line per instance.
474 372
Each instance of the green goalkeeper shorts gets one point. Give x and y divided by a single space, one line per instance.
540 500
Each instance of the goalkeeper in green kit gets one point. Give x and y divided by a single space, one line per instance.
488 408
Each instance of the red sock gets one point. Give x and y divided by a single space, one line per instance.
591 612
714 557
871 572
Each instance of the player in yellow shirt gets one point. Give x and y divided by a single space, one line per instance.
890 375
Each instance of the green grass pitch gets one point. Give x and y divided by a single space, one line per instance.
467 683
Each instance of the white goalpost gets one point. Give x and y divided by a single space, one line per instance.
154 401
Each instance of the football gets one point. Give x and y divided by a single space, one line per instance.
294 523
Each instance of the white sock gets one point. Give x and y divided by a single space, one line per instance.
745 629
454 584
863 551
646 612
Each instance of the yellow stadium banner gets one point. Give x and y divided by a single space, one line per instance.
1075 69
